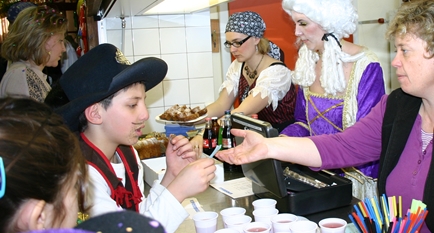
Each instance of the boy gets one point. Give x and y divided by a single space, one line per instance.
107 108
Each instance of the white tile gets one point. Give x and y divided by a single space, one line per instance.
128 48
145 21
172 40
176 92
177 64
200 65
201 90
114 37
171 21
116 23
154 97
198 39
136 58
198 19
146 41
151 124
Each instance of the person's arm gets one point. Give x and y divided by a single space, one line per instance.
271 86
371 89
300 127
255 147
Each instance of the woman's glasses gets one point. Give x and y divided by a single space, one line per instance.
236 44
2 178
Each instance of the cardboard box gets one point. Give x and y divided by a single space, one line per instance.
155 168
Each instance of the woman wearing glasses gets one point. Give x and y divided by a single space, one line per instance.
261 83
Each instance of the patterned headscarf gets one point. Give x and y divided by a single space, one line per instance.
247 22
16 8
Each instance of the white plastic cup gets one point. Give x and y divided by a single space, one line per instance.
231 212
205 222
281 222
257 227
265 215
332 225
238 222
303 227
264 203
226 230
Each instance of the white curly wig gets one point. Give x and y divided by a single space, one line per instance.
335 16
339 19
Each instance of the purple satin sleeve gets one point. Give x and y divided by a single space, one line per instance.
297 130
371 89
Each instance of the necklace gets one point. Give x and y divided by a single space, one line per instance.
253 74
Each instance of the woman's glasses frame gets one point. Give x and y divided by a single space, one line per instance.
236 44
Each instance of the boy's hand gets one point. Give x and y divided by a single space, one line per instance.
193 179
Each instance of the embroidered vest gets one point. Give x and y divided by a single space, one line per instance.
401 112
128 196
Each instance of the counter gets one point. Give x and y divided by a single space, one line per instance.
213 200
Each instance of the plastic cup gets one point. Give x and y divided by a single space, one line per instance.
303 227
205 222
281 222
231 212
238 222
332 225
264 203
258 227
265 215
226 230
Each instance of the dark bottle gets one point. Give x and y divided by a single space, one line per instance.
209 139
215 127
228 142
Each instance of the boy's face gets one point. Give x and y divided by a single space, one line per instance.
125 117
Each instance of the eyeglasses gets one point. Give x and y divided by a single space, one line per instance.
2 178
236 44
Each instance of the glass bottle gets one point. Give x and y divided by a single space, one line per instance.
208 138
228 142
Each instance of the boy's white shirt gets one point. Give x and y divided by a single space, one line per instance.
160 204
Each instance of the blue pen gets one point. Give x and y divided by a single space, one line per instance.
225 190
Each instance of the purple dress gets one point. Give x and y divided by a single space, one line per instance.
326 113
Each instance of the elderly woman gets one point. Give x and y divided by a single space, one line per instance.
340 81
398 131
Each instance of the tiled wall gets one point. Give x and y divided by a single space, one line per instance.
184 42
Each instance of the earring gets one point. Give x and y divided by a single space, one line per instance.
49 52
256 47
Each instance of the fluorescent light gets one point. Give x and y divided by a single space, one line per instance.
182 6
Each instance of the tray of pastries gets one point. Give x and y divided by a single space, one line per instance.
182 114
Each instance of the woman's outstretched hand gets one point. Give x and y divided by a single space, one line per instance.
253 148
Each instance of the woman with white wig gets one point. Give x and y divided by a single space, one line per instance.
339 81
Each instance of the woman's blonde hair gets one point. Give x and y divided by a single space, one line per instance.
415 17
29 33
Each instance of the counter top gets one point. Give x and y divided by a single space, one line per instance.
213 200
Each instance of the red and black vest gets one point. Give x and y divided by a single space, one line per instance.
128 196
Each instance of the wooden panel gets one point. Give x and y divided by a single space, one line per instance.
215 35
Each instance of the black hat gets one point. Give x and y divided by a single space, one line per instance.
114 222
101 72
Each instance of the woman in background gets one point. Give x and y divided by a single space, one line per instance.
339 81
35 40
257 77
41 166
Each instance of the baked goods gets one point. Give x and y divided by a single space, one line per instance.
182 113
152 145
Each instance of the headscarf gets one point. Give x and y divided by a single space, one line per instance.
247 22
